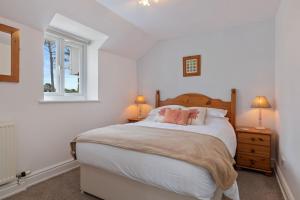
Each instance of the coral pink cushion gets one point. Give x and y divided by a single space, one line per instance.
171 116
183 117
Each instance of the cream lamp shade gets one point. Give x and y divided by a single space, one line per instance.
140 100
260 102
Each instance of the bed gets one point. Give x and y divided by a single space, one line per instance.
113 173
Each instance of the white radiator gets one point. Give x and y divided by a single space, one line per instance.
7 153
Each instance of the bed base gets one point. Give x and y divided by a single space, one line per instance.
109 186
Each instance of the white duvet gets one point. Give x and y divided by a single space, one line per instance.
167 173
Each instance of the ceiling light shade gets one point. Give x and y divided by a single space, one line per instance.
147 2
144 2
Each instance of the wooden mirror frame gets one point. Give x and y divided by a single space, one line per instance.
15 55
200 100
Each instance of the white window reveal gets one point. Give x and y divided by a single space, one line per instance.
71 61
65 66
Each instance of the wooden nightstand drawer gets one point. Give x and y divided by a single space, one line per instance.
255 150
257 139
254 162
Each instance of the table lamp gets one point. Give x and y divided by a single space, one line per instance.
260 102
139 100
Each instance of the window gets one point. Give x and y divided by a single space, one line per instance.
64 66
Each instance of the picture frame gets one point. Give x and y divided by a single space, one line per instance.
192 66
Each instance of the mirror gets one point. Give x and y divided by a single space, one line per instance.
9 54
5 54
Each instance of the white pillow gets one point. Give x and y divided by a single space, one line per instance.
215 112
199 118
159 118
150 118
211 120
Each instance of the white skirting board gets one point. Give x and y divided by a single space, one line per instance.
37 177
62 167
285 189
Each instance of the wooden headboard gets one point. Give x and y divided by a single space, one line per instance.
200 100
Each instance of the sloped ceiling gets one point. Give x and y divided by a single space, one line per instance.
133 29
124 38
176 18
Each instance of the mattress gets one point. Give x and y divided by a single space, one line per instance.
163 172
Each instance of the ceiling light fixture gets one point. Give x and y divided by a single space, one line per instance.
147 2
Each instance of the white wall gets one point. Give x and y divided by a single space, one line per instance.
287 91
239 57
45 130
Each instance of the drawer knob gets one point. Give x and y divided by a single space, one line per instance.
252 150
253 139
260 139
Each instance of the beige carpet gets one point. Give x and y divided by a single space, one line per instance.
253 186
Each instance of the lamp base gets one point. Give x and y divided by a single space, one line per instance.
260 128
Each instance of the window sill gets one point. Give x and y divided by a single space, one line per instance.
68 101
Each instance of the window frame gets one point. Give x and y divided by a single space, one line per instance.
62 39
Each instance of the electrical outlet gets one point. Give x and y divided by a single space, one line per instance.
282 160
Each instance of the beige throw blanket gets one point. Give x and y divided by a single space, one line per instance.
199 149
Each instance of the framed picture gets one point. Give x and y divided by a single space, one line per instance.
192 66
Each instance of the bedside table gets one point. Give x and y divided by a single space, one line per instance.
254 149
134 120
